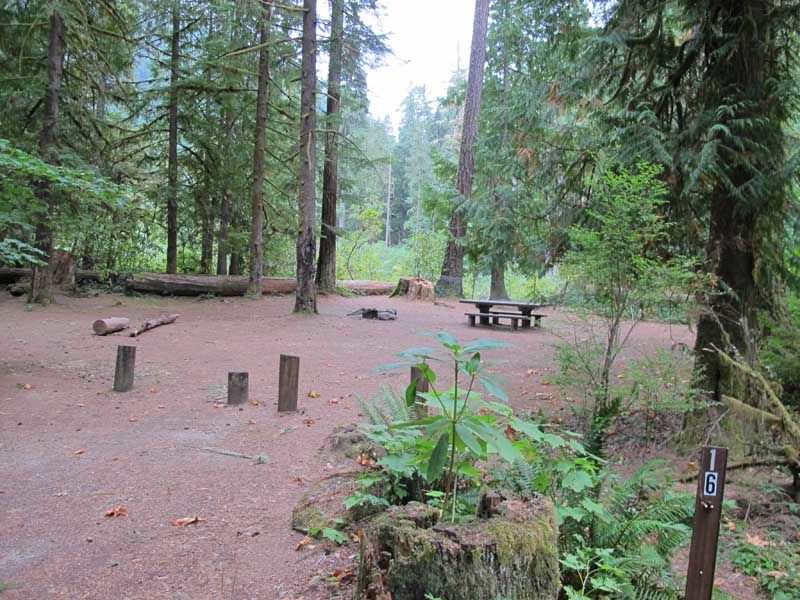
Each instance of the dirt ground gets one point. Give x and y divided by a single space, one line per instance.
72 449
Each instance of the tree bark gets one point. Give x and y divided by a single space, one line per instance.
742 225
306 295
222 236
41 290
257 192
172 168
235 266
326 267
498 284
207 226
451 280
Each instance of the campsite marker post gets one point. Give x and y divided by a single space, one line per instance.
705 533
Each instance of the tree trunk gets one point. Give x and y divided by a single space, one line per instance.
41 285
742 224
388 231
306 296
451 281
498 284
257 192
235 266
222 239
172 168
326 267
207 225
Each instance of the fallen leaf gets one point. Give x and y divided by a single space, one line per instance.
303 543
185 521
776 574
313 394
79 452
756 540
511 433
117 511
308 422
365 460
343 575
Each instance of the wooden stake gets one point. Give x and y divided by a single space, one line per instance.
705 534
420 410
238 388
288 379
123 374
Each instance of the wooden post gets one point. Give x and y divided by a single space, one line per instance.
420 410
123 374
238 388
705 534
288 378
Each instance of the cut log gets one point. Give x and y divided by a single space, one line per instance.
199 285
110 325
153 323
14 274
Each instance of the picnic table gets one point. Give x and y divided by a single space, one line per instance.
521 316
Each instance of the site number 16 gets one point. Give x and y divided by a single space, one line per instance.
705 532
711 477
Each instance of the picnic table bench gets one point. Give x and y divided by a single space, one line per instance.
521 318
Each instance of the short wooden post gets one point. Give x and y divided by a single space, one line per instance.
420 410
288 379
123 374
238 388
705 534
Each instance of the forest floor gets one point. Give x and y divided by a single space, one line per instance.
72 449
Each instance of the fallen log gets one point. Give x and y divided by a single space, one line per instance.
14 274
153 323
230 285
110 325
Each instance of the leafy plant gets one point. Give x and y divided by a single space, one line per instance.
776 566
437 458
617 261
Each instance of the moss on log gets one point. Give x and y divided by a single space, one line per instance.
406 553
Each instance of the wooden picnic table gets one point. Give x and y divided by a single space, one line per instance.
487 317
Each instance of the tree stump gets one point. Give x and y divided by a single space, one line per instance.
406 553
415 288
62 267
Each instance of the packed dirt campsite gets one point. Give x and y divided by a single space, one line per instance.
399 300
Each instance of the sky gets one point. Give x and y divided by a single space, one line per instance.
427 38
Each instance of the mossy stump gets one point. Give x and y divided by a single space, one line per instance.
407 552
322 505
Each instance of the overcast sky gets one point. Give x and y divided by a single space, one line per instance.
427 38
